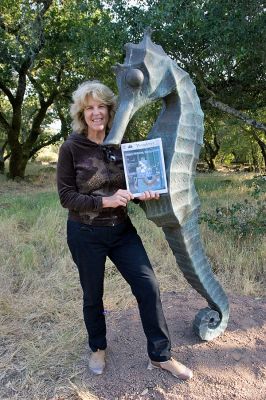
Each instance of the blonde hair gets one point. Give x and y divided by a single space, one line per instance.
99 92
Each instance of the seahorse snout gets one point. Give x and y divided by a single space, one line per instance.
121 120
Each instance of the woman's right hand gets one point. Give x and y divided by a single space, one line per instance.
120 198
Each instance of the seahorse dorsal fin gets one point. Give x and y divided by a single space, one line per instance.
148 32
138 52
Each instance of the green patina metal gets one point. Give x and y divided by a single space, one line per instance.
148 74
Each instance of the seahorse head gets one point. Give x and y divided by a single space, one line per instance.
144 77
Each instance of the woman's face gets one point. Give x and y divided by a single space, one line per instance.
96 115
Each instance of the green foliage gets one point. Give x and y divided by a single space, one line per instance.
241 219
238 144
257 186
221 44
54 45
142 122
47 48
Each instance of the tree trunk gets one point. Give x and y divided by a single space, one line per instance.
260 142
255 160
262 146
212 166
210 162
2 162
211 152
17 163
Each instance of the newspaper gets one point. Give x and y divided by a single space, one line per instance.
144 166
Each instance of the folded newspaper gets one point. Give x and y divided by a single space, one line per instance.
144 166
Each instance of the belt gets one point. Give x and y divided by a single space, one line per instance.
110 221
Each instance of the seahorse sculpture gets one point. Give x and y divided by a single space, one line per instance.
149 74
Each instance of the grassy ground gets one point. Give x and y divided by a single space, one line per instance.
40 299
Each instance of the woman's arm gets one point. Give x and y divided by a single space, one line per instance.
67 189
73 200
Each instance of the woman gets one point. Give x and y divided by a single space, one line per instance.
91 184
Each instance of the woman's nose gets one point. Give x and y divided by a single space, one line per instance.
96 111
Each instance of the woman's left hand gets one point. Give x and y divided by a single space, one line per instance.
149 195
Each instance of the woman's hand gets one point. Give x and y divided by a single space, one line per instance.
149 195
120 198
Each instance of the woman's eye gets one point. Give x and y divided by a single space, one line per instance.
101 106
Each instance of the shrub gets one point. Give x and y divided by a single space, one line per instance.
242 219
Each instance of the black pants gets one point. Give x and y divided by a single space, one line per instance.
89 246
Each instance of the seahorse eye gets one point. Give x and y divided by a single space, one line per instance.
135 77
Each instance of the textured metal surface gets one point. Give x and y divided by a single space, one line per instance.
147 75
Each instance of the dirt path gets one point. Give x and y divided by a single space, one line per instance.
231 367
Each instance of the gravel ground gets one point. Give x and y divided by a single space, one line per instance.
232 366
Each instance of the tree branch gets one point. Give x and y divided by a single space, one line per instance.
32 51
256 137
38 119
260 143
53 140
236 113
200 78
8 93
224 107
4 145
64 124
7 156
4 122
37 87
13 30
216 143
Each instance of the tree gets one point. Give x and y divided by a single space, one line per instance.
237 144
220 43
258 139
142 122
211 142
47 47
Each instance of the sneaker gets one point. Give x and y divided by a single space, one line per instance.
97 362
177 369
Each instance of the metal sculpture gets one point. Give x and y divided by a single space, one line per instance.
149 74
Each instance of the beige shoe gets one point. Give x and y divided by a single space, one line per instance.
97 362
177 369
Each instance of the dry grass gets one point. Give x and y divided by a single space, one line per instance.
48 154
42 331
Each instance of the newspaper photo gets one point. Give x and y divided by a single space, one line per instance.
144 166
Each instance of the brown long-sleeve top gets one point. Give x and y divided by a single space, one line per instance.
84 176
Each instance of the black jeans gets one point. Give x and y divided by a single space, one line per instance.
89 246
